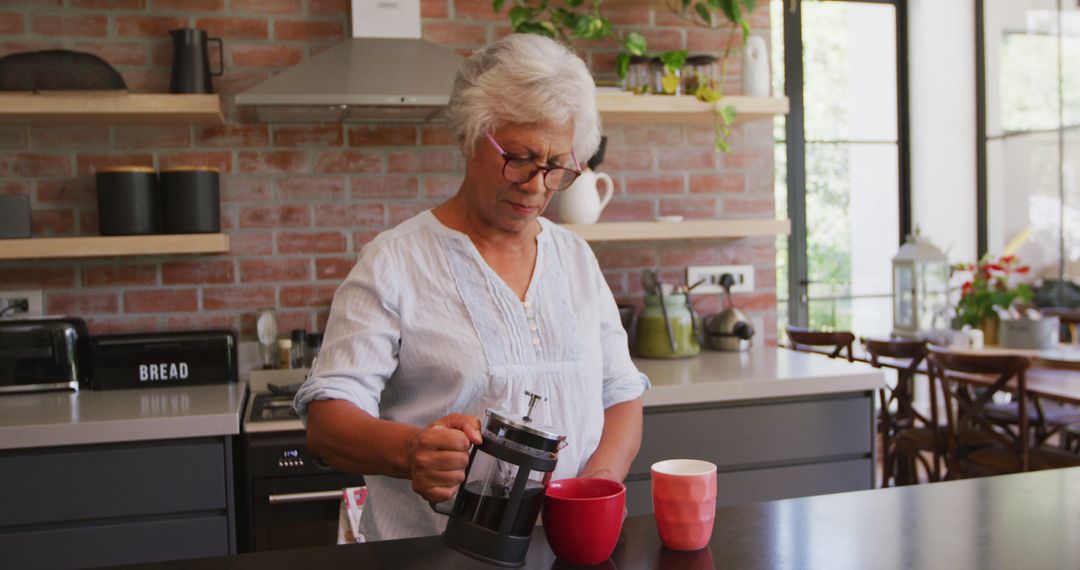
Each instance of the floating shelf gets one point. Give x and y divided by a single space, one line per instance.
626 108
685 230
109 107
108 246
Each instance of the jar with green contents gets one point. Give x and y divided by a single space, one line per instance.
651 338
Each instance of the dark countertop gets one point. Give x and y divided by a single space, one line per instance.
1029 521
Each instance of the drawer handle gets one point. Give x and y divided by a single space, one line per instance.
312 497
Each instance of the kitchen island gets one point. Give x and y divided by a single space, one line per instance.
1028 520
91 478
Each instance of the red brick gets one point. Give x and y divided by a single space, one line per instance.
9 47
308 295
67 191
12 187
422 161
245 189
382 135
146 80
198 272
754 255
321 242
349 161
749 207
629 16
628 160
321 317
721 183
441 186
155 27
11 24
237 297
434 9
754 301
91 163
232 136
274 270
749 158
478 10
275 216
119 275
273 161
188 5
70 26
691 208
333 268
88 222
81 303
220 160
361 238
52 222
623 257
348 215
161 301
200 322
648 136
686 158
308 135
765 277
249 243
265 6
266 55
454 33
153 136
46 165
308 30
329 7
239 80
384 186
122 325
286 321
116 53
14 138
653 184
311 188
235 28
439 135
109 4
689 254
400 212
55 137
710 41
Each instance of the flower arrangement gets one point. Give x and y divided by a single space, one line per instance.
991 284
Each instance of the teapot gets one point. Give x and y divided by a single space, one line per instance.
581 202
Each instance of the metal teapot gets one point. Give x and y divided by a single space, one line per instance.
730 329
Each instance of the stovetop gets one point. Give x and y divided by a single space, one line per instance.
272 410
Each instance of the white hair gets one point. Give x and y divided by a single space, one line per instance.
524 79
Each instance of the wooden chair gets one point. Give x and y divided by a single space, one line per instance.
905 433
969 383
806 339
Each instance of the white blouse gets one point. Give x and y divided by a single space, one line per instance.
422 327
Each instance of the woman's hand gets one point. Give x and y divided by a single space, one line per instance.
439 455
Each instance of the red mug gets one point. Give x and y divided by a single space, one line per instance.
583 518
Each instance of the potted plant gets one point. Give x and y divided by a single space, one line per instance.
991 285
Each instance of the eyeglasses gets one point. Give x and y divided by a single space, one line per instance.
521 170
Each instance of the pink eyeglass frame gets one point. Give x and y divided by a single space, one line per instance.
544 169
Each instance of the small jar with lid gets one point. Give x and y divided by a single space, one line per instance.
665 82
638 75
285 353
699 70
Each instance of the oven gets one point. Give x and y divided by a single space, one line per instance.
290 499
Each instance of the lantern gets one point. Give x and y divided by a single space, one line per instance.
920 289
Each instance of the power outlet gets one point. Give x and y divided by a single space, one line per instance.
9 298
743 274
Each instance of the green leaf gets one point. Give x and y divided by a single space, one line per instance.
563 17
730 8
518 16
634 43
546 29
728 114
749 5
745 26
673 60
703 13
622 63
497 5
590 28
572 3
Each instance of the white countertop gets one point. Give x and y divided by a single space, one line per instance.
87 417
760 373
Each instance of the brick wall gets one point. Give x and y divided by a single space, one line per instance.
300 200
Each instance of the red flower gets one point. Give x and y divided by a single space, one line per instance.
1023 269
967 288
995 267
1008 259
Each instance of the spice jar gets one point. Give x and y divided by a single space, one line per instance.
284 353
665 82
638 76
699 70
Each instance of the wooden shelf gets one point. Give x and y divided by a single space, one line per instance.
108 246
109 107
685 230
624 108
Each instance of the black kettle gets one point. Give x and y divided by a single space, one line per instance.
191 71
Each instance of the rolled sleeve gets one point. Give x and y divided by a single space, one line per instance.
622 380
360 345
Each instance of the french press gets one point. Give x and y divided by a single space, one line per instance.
495 510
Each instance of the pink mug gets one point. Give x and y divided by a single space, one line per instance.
684 502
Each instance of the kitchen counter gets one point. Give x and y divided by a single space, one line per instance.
1028 520
761 373
88 417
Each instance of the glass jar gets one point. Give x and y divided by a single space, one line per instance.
651 337
699 70
672 85
638 76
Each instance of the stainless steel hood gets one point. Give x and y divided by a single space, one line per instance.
361 80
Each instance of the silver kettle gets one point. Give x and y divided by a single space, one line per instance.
730 329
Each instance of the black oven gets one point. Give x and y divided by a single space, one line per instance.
292 498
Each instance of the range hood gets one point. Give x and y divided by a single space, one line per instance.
396 79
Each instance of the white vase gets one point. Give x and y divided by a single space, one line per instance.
581 203
755 68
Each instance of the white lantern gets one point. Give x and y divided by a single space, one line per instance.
920 289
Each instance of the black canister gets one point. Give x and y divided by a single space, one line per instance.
190 200
127 199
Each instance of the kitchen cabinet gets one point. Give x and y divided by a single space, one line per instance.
110 107
109 246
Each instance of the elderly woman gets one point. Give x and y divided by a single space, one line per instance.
470 304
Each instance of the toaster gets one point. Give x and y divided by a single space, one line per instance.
38 354
153 360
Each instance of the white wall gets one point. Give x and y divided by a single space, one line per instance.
941 51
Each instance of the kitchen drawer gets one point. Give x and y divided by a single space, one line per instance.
96 482
754 485
755 434
122 543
